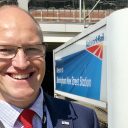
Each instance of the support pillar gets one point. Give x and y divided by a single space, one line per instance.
23 4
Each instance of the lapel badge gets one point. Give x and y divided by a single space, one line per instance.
65 122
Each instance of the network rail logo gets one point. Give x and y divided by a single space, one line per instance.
95 46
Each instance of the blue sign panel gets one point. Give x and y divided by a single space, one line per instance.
80 74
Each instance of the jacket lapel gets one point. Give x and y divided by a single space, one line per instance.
1 125
61 112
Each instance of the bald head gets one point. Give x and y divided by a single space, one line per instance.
14 17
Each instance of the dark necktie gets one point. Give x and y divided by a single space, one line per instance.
26 118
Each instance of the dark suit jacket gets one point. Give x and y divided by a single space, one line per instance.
65 114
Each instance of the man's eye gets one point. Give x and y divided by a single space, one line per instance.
33 49
6 51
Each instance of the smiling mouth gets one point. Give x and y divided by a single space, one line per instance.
20 76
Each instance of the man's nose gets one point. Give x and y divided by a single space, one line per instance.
20 61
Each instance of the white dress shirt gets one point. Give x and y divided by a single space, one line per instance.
9 114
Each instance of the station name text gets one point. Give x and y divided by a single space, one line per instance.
75 81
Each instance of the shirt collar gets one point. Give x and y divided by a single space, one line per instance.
38 104
10 113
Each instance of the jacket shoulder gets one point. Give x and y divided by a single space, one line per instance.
82 115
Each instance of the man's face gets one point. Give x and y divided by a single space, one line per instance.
20 77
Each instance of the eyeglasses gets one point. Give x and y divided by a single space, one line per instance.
31 51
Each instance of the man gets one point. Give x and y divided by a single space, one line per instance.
22 69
